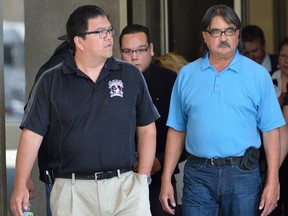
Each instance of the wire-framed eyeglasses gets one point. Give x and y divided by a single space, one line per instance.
102 33
140 51
215 33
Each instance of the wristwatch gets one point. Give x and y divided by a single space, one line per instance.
148 179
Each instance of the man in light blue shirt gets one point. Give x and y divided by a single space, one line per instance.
225 108
218 104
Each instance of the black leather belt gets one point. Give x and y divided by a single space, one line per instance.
217 161
93 176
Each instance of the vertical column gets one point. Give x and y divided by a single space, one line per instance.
3 189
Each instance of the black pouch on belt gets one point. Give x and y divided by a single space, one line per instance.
250 158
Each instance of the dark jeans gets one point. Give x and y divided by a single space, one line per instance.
48 192
209 188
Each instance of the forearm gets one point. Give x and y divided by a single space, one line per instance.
272 150
26 155
270 194
173 151
146 147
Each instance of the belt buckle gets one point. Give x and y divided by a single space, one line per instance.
118 173
212 161
96 175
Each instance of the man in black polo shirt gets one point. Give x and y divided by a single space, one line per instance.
88 109
136 47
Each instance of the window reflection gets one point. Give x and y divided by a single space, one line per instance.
14 72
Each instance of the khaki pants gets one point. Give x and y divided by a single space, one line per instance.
124 196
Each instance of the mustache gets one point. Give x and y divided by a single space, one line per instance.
223 44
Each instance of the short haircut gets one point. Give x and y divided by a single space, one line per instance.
78 21
135 28
252 33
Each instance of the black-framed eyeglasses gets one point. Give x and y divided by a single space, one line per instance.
139 51
217 32
102 33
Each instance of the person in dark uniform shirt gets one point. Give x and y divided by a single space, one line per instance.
88 109
136 47
63 51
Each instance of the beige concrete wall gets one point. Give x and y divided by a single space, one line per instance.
261 14
12 13
45 20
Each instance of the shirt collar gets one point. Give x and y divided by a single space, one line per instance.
70 66
267 63
234 66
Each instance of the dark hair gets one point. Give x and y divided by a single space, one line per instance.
135 28
78 20
228 14
282 43
252 33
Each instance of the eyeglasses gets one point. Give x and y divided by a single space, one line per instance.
102 33
139 51
215 33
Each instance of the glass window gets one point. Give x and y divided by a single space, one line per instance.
14 72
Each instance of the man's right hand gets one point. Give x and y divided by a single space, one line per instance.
167 197
19 200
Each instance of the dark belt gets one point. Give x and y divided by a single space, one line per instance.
216 161
94 176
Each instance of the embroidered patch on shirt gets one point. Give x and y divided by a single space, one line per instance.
116 88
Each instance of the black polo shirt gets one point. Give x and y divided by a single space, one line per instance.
89 127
